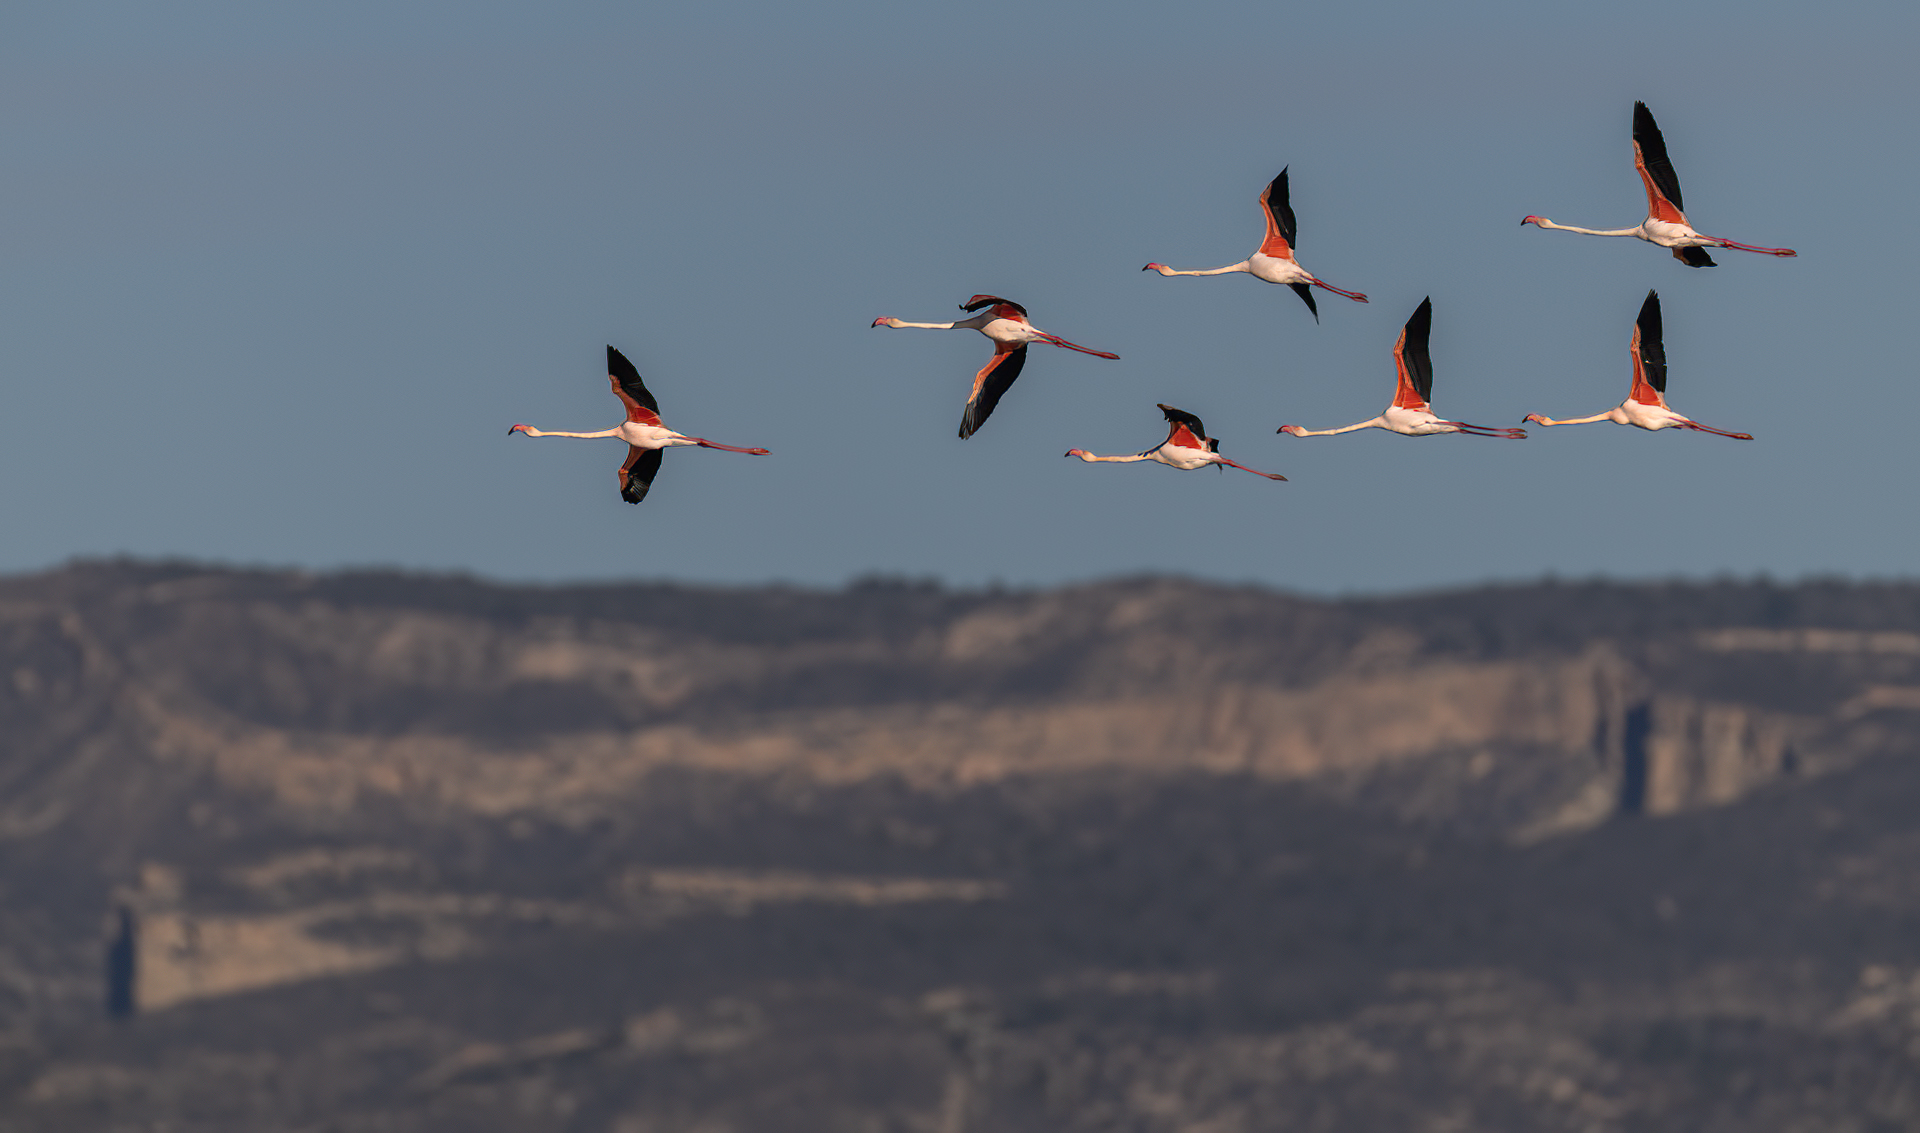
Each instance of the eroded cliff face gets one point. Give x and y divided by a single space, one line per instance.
310 693
297 782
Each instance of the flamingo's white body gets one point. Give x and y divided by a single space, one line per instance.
1665 225
646 437
635 434
1005 322
1274 262
1411 413
1187 447
1646 406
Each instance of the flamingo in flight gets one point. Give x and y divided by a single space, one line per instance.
1187 447
1665 225
1274 261
1646 405
1006 324
646 437
1411 412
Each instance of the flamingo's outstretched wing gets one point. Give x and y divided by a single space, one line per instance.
1649 354
1306 292
1279 215
1656 171
1187 431
637 474
1280 240
979 301
993 380
632 392
1410 358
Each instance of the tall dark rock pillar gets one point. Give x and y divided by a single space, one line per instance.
122 967
1634 769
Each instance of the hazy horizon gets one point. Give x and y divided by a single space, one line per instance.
981 586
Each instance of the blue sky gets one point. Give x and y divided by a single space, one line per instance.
274 280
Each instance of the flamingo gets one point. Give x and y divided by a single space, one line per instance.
1274 261
1006 324
1665 225
1187 447
1410 412
1646 405
646 437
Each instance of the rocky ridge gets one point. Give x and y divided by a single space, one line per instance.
1140 854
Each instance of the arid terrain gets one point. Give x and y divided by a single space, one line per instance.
379 852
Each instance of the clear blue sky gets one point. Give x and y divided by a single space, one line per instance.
274 280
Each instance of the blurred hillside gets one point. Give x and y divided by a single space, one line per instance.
389 852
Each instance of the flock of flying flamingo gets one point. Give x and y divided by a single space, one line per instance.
1187 446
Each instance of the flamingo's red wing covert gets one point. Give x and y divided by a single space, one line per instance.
1182 437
